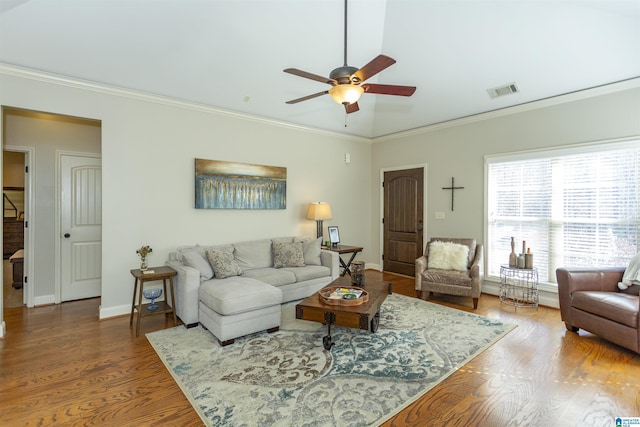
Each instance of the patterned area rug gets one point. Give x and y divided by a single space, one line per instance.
287 378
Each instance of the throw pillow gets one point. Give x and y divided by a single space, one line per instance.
223 263
448 256
288 255
310 250
197 261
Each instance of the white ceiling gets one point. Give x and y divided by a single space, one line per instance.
230 53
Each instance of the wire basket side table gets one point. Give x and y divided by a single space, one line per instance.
519 286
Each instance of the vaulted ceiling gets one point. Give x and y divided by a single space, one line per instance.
230 54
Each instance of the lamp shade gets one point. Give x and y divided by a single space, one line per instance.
346 93
319 211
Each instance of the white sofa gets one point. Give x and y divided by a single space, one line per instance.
237 289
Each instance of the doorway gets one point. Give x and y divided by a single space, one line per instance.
43 136
403 219
14 203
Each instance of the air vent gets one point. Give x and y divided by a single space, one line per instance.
507 89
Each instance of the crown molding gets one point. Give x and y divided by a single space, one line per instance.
620 86
61 80
76 83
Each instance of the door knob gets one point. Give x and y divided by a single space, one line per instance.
67 235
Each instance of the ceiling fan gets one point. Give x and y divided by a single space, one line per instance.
345 81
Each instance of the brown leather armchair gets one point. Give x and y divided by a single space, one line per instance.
452 282
590 299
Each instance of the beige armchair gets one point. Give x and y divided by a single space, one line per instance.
451 281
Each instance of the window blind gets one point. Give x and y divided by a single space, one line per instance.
573 209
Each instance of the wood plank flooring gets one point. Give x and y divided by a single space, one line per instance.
60 365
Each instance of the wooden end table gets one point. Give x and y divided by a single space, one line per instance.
152 274
345 249
363 316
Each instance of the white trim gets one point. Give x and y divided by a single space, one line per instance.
521 108
547 295
381 190
3 329
579 148
29 214
58 219
41 76
27 73
44 300
116 311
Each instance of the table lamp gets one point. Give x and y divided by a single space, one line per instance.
319 211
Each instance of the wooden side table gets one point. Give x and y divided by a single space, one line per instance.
344 249
152 274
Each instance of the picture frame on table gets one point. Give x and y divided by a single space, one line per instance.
334 235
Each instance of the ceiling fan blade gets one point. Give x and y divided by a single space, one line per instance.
304 98
311 76
351 108
389 89
376 65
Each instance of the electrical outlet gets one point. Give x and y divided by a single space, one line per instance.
439 215
347 158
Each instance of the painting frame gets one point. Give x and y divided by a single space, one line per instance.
222 184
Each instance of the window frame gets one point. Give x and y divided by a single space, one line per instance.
542 153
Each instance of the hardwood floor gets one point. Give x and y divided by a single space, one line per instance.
61 365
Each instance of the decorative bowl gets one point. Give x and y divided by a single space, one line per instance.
152 294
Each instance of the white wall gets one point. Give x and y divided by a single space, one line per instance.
148 151
458 150
149 146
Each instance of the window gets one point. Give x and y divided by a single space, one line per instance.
577 207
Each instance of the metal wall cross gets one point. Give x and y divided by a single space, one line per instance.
452 188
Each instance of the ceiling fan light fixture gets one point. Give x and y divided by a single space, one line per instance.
346 93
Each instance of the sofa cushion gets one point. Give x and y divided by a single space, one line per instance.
309 272
196 260
310 249
237 295
631 290
619 307
181 250
448 256
282 240
288 255
272 276
202 250
253 254
450 277
223 263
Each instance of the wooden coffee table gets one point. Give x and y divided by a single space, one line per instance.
363 316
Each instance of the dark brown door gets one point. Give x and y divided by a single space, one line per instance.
403 221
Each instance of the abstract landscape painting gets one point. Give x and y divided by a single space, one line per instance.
230 185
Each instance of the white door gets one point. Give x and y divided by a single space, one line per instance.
81 227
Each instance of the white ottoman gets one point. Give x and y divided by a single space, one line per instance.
238 306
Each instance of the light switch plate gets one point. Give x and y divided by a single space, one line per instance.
439 215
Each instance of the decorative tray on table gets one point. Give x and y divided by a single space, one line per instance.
344 295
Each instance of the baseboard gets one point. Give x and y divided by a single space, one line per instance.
44 300
119 310
546 297
370 266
